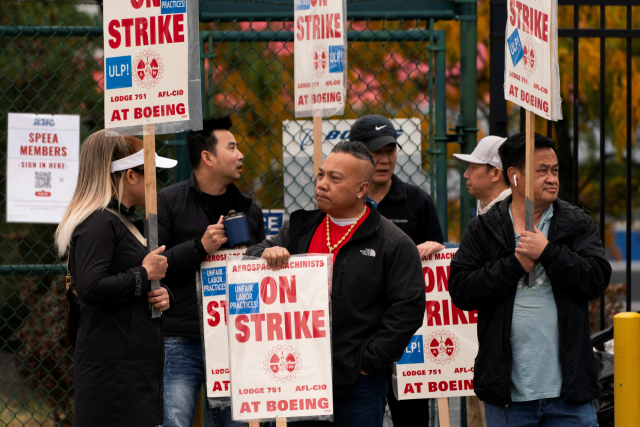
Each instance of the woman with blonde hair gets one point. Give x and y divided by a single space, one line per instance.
119 356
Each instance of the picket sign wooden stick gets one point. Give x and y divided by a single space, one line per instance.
317 144
150 195
280 422
149 140
443 412
529 172
531 129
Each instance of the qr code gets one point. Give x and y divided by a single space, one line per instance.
43 179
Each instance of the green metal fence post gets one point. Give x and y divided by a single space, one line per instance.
441 132
183 170
468 91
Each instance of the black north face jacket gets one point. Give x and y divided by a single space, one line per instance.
485 274
377 293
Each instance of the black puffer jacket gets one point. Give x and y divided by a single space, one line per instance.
485 274
377 294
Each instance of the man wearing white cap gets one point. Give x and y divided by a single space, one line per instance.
484 174
486 183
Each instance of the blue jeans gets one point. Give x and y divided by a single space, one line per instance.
183 377
544 413
362 406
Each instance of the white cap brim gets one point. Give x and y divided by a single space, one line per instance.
137 159
465 159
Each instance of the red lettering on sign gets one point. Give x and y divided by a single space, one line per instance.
300 321
142 38
287 288
529 20
257 320
244 329
433 313
317 320
268 290
274 326
450 385
213 313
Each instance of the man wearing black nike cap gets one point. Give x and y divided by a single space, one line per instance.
412 210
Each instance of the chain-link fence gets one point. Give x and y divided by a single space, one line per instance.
54 65
248 73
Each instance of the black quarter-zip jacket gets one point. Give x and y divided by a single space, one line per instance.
485 274
412 210
377 294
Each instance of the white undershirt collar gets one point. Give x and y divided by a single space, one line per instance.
341 222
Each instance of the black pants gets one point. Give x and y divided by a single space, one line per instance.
408 413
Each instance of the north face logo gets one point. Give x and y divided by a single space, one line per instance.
368 252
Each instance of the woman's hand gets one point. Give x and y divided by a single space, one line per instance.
159 298
155 264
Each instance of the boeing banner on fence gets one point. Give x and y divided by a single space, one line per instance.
438 362
42 166
532 76
320 57
148 64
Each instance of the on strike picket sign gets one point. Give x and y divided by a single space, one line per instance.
42 166
279 339
146 62
213 276
532 76
320 57
438 362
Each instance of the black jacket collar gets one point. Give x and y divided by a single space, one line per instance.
244 202
115 205
567 220
304 222
397 190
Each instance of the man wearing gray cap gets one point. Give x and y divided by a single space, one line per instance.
484 174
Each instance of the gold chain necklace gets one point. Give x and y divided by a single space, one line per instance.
332 248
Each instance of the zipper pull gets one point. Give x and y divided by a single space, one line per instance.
505 414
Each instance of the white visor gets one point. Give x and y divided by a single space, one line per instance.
137 159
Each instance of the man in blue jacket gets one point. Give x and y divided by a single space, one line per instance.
535 361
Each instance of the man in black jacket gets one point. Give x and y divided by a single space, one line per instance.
409 207
377 294
190 225
535 362
412 210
